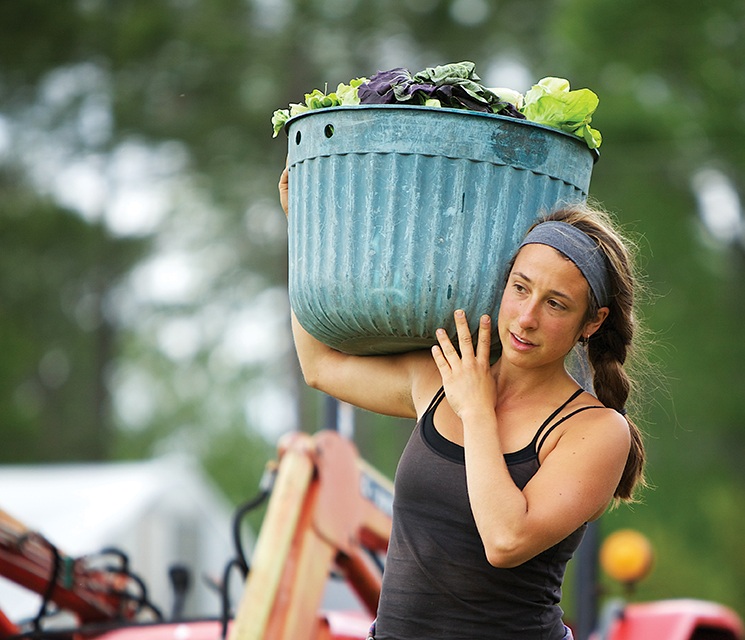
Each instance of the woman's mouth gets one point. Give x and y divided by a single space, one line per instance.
523 342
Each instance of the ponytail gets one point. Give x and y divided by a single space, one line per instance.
609 347
607 350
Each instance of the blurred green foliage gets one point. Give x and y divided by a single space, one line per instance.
205 76
56 342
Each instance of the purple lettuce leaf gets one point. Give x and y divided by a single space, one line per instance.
455 86
506 108
379 88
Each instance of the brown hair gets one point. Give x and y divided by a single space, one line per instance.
610 346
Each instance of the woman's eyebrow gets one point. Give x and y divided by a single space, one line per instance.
552 292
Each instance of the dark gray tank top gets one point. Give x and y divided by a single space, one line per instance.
437 581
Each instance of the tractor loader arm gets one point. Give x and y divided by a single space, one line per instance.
328 510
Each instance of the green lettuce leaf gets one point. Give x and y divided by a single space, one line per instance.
279 119
508 95
345 94
551 102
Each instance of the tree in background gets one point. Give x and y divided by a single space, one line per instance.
57 340
150 120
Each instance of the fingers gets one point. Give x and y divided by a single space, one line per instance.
464 333
444 354
483 348
446 347
465 340
440 359
283 189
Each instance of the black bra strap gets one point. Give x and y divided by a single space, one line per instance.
566 417
439 397
537 435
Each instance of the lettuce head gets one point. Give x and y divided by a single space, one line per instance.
551 102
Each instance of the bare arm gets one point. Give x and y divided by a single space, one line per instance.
576 479
383 384
574 484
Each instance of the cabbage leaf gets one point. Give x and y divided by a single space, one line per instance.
551 102
345 94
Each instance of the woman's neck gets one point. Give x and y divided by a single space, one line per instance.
517 383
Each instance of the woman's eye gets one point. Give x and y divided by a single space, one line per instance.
555 305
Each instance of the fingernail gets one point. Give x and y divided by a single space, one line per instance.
459 313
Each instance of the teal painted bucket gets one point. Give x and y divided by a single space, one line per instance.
401 215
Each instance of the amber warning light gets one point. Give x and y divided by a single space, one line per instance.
627 556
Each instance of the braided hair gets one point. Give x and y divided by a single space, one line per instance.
609 347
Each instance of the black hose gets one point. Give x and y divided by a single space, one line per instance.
240 561
49 591
240 513
225 593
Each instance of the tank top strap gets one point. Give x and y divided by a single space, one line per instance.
558 422
439 397
548 420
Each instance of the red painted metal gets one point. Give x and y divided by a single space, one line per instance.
201 630
339 625
7 627
679 619
28 559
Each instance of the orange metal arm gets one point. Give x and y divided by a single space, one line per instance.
326 507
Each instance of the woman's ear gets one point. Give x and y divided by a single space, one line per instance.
593 325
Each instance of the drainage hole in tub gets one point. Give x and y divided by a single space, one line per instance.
329 130
297 138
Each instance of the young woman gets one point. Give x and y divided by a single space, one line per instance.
507 462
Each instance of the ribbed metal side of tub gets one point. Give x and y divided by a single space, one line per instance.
385 246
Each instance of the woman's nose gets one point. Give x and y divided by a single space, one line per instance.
528 318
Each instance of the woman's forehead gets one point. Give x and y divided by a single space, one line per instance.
539 262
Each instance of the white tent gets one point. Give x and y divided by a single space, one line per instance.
160 513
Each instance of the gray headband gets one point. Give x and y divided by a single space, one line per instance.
581 249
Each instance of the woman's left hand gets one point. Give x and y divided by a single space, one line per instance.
468 380
283 186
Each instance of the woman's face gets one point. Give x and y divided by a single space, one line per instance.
543 308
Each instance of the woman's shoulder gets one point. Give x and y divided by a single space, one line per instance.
586 422
589 411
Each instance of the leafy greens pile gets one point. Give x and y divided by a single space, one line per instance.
456 86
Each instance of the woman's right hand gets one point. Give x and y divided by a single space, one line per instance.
284 189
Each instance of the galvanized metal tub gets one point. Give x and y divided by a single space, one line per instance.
400 215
